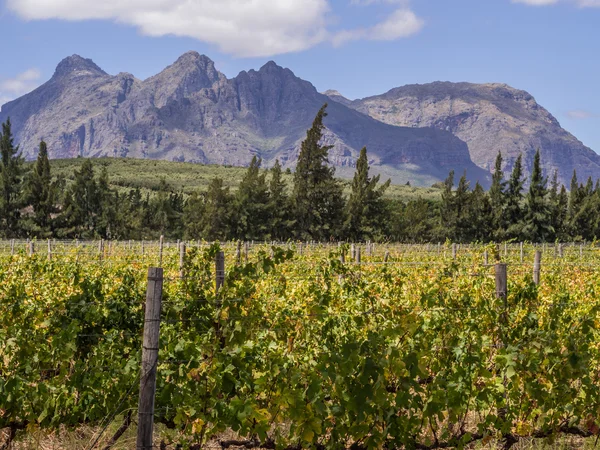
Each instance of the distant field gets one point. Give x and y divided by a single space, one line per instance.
127 173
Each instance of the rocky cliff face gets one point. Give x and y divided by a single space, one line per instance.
489 118
192 112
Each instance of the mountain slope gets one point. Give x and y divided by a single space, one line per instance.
489 118
191 112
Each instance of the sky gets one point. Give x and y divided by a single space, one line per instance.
550 48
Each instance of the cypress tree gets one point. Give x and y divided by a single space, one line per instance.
81 205
448 219
252 203
11 182
365 208
42 193
514 211
317 195
497 199
538 227
280 220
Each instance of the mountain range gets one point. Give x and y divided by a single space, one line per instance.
192 112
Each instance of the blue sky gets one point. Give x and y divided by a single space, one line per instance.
550 48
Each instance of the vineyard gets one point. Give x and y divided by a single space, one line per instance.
302 345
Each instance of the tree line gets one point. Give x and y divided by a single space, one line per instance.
35 204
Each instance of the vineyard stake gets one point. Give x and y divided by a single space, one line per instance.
521 245
238 253
485 257
537 266
49 250
246 251
358 255
181 259
160 250
219 270
149 359
453 251
386 257
560 250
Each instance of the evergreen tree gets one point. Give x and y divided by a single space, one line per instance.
448 219
514 211
164 211
280 220
462 204
252 204
480 217
554 200
317 195
42 194
209 215
11 182
365 207
82 205
497 200
538 227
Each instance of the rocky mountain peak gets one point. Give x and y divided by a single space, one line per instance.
76 65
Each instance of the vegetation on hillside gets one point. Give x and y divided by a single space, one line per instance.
198 202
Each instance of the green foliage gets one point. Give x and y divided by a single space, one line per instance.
537 222
11 183
365 211
317 196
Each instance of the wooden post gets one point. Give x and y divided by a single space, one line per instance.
386 257
505 249
521 248
31 248
353 252
358 255
129 245
49 249
537 266
580 251
181 260
143 247
238 253
369 250
100 248
12 246
453 251
149 359
485 257
501 281
160 250
246 251
560 250
342 256
219 270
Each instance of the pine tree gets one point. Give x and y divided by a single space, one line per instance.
11 182
280 220
497 199
209 215
480 216
42 194
81 205
514 211
252 204
365 207
538 227
317 195
448 219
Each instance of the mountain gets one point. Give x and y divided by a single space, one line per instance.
489 118
192 112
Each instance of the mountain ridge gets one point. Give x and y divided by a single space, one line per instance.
488 117
192 112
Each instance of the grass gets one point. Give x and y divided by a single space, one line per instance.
128 173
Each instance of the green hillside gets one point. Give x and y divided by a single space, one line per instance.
127 173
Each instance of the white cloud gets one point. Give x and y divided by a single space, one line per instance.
246 28
580 114
11 88
580 3
401 23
